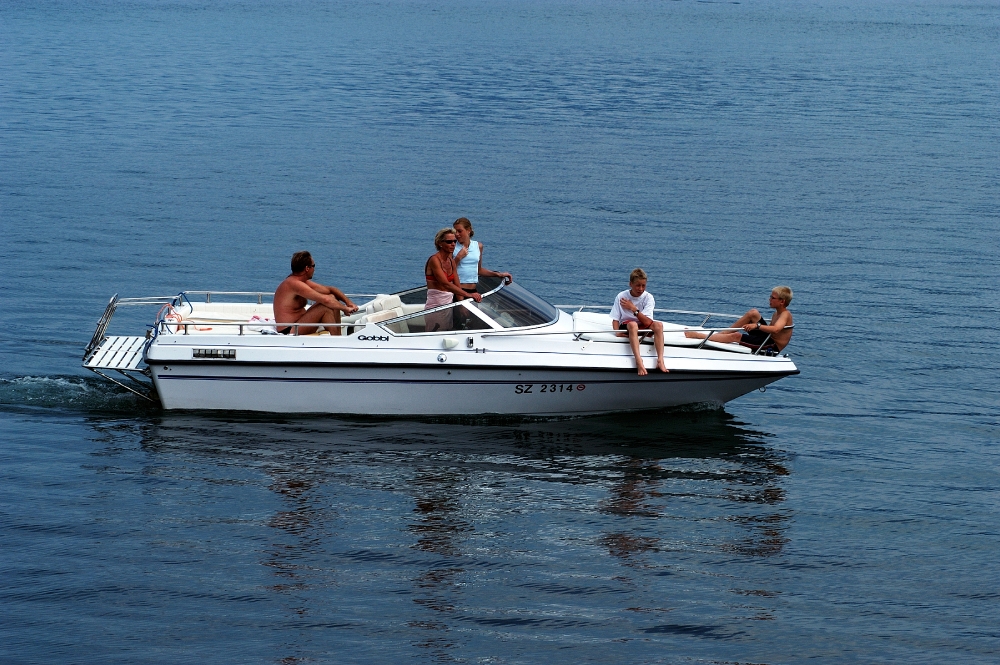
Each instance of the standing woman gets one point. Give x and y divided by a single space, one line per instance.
442 282
469 255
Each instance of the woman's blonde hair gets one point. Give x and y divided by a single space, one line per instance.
466 224
784 294
439 236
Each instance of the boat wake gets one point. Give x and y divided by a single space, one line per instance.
72 393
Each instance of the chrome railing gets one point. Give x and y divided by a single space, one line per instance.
174 301
707 315
260 295
164 327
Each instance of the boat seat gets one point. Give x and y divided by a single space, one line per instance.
592 325
378 317
225 311
383 315
382 302
201 317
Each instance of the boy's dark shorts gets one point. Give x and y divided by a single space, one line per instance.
755 338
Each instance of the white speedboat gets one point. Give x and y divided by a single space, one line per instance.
514 353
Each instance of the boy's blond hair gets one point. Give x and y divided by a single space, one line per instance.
638 273
784 294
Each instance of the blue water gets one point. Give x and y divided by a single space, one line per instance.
850 150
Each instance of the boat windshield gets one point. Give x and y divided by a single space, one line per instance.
510 307
515 307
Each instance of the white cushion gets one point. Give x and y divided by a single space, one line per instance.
226 311
584 321
392 302
377 304
384 315
673 334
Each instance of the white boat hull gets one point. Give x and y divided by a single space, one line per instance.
407 391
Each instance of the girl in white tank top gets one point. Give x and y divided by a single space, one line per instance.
470 266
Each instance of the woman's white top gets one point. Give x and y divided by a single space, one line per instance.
468 268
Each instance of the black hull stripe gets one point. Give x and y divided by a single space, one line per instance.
460 368
450 366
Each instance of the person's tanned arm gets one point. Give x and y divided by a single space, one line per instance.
333 291
779 324
484 272
326 297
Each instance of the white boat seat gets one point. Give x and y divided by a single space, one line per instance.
225 312
383 315
673 335
378 317
382 302
392 302
369 307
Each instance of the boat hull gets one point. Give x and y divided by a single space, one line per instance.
421 390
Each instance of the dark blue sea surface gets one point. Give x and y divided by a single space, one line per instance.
848 149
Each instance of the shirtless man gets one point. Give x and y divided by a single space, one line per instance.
754 333
292 295
632 311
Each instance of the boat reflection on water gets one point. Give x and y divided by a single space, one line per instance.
489 522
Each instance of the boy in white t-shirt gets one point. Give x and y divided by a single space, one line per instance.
633 309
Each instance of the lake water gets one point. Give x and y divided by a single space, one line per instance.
848 149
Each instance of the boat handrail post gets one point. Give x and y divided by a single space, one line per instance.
208 297
766 340
102 326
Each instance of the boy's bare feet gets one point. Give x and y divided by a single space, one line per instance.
642 369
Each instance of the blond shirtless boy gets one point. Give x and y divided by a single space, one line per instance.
754 331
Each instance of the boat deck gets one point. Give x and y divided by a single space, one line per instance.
117 353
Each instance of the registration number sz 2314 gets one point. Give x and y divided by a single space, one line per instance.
535 388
